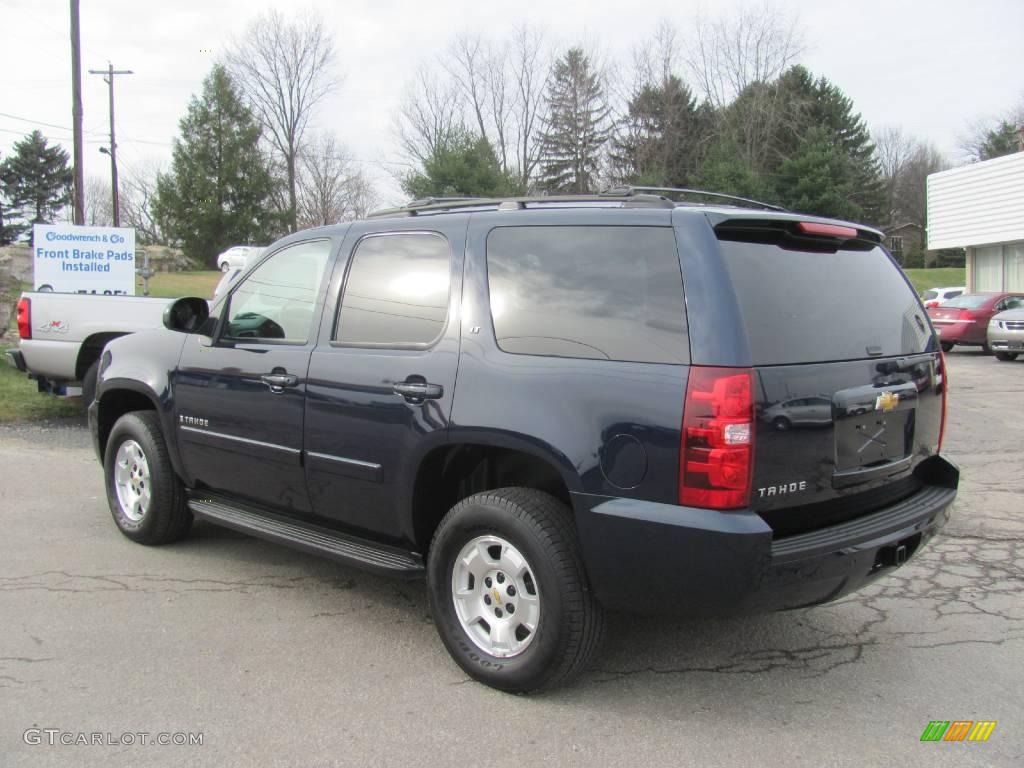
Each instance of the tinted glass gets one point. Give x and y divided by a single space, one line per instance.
396 291
803 307
968 301
608 293
277 301
929 295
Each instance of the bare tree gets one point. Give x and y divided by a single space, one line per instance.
911 198
99 206
331 188
993 137
430 115
894 149
138 190
729 53
495 90
285 67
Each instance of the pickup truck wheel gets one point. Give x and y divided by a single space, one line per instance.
145 497
89 383
508 591
1006 356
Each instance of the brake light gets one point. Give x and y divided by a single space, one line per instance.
25 318
828 230
966 314
945 391
716 453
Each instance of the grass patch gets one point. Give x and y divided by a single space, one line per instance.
21 401
942 277
172 285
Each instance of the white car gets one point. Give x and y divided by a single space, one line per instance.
933 297
236 255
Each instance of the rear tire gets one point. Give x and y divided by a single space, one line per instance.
781 423
146 498
946 345
1006 357
513 547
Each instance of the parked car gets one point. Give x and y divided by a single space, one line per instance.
800 412
1006 333
964 320
933 297
61 335
236 256
600 448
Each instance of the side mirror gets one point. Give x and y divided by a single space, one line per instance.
186 315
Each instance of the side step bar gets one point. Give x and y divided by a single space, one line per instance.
308 537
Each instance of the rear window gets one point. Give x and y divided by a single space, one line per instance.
930 295
605 293
970 301
804 307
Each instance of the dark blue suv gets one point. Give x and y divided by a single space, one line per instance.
549 407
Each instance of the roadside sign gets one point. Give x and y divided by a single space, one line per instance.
72 259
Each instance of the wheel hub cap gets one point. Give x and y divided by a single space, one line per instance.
495 596
132 480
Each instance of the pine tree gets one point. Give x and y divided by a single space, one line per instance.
465 165
820 177
660 143
218 192
35 182
576 128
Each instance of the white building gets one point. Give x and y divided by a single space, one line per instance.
980 207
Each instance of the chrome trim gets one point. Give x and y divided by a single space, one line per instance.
342 460
246 440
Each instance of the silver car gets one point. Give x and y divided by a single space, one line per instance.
1006 333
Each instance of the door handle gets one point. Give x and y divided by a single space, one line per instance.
418 391
278 381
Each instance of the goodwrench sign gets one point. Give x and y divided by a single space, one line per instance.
72 259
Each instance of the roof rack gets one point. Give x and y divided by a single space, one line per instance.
626 191
445 204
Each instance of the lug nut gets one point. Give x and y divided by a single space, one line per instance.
488 581
510 608
511 590
498 613
501 578
487 599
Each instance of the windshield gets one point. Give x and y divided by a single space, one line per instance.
970 301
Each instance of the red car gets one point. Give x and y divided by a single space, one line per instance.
964 320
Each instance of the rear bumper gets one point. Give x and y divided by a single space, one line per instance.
18 359
660 558
961 332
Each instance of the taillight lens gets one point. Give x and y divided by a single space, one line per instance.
966 314
24 318
945 391
716 456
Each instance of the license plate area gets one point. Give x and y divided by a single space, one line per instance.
1015 346
874 438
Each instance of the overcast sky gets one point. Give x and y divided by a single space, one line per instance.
929 66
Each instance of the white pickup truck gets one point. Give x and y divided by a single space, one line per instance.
63 334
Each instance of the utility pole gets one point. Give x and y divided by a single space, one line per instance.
76 114
112 151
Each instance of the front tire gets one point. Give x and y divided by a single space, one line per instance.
508 591
145 497
89 383
1006 357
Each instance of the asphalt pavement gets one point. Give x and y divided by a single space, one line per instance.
277 658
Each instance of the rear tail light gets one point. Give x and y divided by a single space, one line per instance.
945 391
716 455
25 318
966 314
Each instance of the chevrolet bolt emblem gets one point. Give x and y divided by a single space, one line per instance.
496 595
887 401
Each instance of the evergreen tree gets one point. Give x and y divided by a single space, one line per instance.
819 178
1003 139
463 166
218 192
661 141
725 170
809 105
576 128
35 182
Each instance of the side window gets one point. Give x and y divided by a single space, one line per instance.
605 293
276 302
396 292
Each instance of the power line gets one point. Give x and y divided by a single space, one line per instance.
40 122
